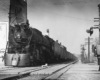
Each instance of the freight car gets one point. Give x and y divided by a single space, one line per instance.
27 46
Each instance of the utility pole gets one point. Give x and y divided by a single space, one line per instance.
91 32
99 23
83 55
98 20
89 43
98 46
48 32
88 49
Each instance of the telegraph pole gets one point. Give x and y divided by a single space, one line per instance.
88 43
98 46
99 37
83 55
99 23
98 20
91 32
88 49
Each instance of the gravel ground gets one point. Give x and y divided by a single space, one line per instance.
82 72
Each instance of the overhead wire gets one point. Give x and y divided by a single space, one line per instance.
81 1
71 2
5 8
64 15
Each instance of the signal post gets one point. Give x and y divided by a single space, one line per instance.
98 46
91 32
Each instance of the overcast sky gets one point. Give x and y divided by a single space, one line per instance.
67 20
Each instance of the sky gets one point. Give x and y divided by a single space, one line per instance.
67 20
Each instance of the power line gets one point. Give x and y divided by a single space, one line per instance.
64 15
4 5
81 1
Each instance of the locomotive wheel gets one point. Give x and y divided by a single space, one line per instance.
31 60
41 58
34 58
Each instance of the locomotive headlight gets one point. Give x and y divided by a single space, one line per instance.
18 35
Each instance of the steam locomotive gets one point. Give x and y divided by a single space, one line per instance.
27 46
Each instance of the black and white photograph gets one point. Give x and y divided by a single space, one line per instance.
49 39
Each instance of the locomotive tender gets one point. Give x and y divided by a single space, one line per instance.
27 46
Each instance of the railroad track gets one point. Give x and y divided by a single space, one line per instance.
6 68
37 73
15 73
52 73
